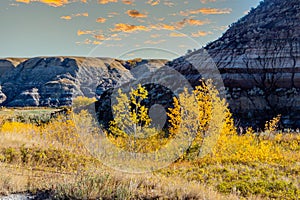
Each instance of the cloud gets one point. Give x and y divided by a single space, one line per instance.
81 15
114 45
155 35
132 28
206 1
128 28
87 32
153 2
100 20
100 37
128 2
96 42
201 34
23 1
212 11
87 41
220 28
107 1
161 26
160 19
67 17
207 11
14 4
195 22
174 34
112 14
182 46
169 3
192 22
154 42
135 14
54 3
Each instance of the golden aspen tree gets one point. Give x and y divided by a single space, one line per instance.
214 117
131 120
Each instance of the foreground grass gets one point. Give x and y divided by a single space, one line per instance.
52 157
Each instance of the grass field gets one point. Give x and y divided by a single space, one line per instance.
52 158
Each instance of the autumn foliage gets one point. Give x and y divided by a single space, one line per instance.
254 165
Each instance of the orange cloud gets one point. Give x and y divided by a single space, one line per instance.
128 2
212 11
128 28
161 26
89 42
82 32
135 14
107 1
192 22
173 34
81 15
23 1
201 34
195 22
96 42
67 17
100 37
153 2
207 11
54 3
101 20
112 14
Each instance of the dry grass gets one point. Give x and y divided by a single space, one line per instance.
52 157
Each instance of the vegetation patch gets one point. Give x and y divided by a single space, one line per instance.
218 164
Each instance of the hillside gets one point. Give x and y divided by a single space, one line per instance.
259 59
55 81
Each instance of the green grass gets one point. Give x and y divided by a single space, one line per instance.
28 111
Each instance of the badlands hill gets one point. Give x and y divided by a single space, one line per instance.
55 81
259 59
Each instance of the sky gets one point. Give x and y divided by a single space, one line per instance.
122 29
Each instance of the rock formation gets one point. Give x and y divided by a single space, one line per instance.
55 81
259 60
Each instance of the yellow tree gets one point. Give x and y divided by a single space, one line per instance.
131 120
214 117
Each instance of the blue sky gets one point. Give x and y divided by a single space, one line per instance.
114 28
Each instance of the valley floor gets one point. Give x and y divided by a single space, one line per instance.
50 159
